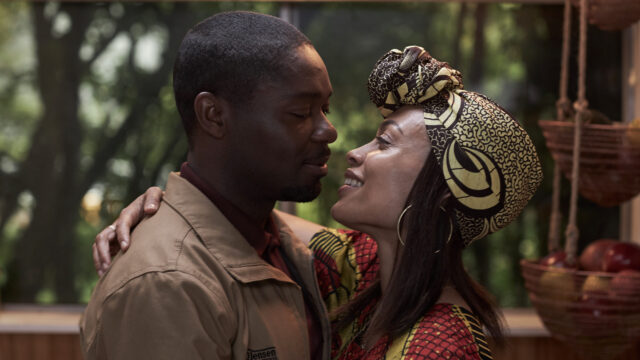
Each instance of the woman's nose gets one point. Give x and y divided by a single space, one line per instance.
355 157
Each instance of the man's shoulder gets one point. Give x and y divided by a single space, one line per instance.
166 263
165 242
161 298
156 244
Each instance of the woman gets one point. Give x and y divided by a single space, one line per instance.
423 196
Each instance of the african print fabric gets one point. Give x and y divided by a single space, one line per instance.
346 262
488 160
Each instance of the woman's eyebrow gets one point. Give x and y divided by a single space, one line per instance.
385 124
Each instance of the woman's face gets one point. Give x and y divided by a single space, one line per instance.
382 173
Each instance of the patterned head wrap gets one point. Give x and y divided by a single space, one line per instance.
488 160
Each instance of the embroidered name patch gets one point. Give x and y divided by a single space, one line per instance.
263 354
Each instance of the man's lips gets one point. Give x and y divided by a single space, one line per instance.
318 165
319 161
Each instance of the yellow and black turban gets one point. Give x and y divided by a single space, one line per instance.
488 160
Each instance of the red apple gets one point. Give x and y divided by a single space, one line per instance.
625 292
594 314
621 256
626 285
557 259
591 258
594 303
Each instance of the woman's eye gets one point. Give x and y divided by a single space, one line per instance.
382 143
326 111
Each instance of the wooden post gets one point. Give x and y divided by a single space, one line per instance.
630 211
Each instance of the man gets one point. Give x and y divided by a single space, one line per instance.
216 274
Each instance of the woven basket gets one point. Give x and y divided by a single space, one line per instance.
591 311
612 14
609 159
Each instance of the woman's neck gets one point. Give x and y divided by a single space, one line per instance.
388 247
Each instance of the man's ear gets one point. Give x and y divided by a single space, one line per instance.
211 114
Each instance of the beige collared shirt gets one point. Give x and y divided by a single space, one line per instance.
191 287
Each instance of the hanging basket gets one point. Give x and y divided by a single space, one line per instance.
597 313
609 159
612 14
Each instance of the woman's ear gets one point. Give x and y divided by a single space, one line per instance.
446 197
211 114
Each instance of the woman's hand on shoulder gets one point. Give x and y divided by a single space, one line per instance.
115 237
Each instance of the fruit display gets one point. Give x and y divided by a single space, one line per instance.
593 303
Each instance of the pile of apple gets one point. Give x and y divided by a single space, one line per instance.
604 281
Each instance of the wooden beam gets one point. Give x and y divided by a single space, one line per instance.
543 2
630 211
417 1
428 1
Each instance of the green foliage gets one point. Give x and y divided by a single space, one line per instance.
126 89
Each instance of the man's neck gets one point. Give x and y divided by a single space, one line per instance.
256 208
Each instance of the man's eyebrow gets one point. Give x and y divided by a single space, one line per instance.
308 94
385 124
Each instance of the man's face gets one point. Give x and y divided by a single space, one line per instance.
281 138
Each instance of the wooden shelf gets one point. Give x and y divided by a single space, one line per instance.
32 319
51 332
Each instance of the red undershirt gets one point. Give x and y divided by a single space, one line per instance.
265 240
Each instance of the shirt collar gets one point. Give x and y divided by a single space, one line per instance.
258 237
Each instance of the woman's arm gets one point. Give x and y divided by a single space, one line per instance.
115 237
303 229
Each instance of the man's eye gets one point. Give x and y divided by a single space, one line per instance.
300 115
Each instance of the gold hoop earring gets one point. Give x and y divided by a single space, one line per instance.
399 223
450 230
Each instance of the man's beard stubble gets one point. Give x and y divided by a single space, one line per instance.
301 193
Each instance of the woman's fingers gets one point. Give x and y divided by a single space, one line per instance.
101 249
116 237
96 260
129 216
152 198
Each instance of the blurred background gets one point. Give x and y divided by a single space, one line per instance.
88 121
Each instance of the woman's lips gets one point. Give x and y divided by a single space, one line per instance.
351 182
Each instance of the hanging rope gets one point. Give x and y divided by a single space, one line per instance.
563 104
572 233
562 108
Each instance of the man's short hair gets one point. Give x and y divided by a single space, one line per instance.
229 54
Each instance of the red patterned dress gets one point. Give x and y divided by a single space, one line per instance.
346 262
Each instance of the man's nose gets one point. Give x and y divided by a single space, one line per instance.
324 131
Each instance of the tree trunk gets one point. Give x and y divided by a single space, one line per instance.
44 255
456 59
50 171
481 248
477 63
